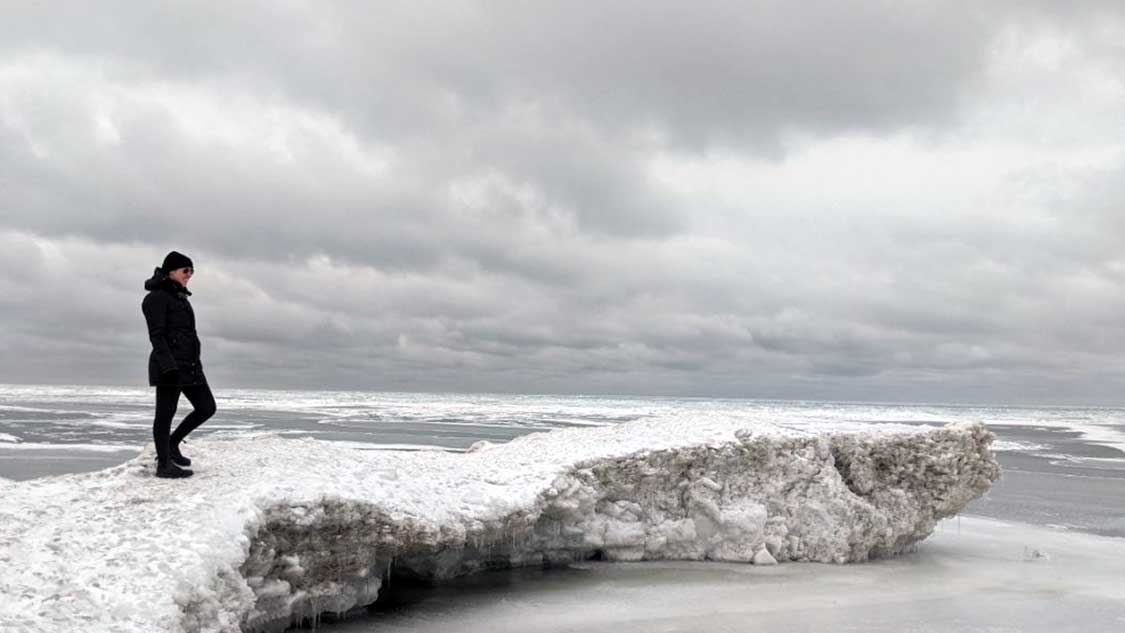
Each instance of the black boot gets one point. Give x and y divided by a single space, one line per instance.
178 457
168 470
180 461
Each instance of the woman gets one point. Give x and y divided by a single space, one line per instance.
174 366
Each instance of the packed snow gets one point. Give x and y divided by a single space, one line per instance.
271 530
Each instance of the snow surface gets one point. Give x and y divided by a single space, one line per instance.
273 529
94 448
1018 447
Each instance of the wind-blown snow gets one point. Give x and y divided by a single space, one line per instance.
271 529
93 448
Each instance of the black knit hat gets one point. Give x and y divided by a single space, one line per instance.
175 261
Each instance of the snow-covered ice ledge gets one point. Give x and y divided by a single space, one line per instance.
272 529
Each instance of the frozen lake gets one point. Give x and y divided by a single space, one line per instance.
1063 466
1063 482
971 575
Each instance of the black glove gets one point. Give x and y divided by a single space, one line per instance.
170 377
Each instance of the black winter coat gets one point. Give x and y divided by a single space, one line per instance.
171 328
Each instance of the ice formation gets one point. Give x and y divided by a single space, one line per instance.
271 530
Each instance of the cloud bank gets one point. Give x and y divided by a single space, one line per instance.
883 201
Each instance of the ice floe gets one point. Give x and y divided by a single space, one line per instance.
273 529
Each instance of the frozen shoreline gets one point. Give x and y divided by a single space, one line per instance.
270 528
972 575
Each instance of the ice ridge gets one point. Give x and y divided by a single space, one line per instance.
274 530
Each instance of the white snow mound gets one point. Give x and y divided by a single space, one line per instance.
272 530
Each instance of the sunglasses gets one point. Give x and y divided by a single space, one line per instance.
188 271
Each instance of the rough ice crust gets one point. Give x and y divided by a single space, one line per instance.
762 498
270 530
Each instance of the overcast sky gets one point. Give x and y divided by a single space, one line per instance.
898 200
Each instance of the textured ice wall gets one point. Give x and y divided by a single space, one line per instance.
271 530
761 498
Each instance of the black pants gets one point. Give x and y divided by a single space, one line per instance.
167 398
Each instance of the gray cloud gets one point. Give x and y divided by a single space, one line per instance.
886 201
701 72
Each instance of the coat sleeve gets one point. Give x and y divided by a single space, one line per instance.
155 311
